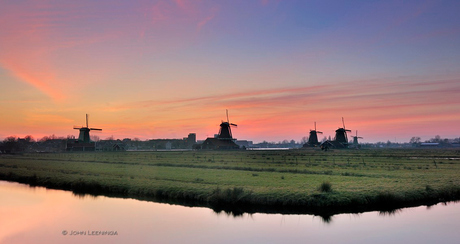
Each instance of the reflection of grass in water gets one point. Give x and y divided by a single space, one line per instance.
391 212
383 178
327 219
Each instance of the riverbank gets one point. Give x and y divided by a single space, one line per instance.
294 181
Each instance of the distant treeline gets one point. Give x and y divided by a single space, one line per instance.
54 143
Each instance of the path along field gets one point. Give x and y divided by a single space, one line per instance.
307 180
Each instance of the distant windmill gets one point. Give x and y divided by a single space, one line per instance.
225 132
355 139
313 139
341 135
84 132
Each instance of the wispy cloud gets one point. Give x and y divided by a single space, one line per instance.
32 37
362 94
207 19
181 12
281 112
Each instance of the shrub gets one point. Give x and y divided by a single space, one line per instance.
325 187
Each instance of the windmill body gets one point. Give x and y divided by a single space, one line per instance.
355 139
84 135
225 131
313 138
341 135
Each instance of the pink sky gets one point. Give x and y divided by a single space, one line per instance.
163 69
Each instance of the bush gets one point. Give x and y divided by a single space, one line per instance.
325 187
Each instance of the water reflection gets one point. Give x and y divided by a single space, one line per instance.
392 212
84 196
38 215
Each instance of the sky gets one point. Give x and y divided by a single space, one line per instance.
163 69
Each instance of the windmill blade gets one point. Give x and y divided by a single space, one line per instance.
86 120
360 137
94 129
343 123
348 130
77 128
226 110
319 132
233 124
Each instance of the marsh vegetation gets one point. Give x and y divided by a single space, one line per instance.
297 181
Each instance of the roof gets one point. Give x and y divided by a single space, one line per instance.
333 144
215 143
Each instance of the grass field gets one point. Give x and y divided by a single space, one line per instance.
297 181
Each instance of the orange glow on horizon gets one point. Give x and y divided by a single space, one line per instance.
273 115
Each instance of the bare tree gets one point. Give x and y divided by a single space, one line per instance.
304 140
95 138
415 140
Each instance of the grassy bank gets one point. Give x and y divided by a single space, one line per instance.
297 181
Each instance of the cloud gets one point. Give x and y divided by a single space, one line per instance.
356 94
34 34
397 106
181 12
207 19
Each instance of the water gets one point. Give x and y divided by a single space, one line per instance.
38 215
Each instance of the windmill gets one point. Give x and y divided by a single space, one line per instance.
313 139
225 132
84 132
341 135
355 139
222 141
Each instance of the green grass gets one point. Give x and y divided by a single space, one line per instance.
252 181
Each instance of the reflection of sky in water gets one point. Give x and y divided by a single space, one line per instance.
37 215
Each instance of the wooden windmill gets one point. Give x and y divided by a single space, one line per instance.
224 140
225 132
84 132
313 139
341 135
355 139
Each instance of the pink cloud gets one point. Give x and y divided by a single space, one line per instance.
400 105
366 95
207 19
29 43
181 12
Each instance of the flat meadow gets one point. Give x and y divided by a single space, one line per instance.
301 180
